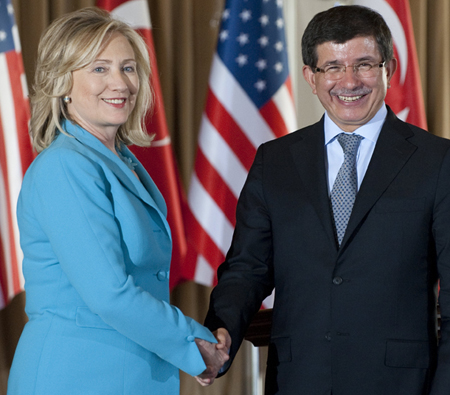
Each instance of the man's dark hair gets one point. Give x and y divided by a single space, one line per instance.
341 24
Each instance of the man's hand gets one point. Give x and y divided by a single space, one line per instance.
223 339
214 357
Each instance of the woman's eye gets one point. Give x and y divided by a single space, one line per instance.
129 69
99 69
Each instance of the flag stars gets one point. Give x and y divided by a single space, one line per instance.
223 35
225 14
280 23
242 39
260 85
279 46
278 67
263 41
263 20
245 15
242 60
280 3
10 9
3 35
261 64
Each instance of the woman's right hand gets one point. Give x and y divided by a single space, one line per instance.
214 356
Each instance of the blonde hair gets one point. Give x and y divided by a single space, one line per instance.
72 42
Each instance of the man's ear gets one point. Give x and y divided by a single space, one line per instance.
310 78
390 67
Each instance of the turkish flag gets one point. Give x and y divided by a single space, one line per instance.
158 159
405 95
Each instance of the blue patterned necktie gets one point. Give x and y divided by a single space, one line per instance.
345 186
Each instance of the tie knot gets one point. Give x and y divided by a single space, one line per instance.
349 143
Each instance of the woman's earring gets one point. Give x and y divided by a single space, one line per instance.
67 99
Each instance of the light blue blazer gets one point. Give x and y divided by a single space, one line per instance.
97 251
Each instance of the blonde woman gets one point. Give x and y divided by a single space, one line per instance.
93 228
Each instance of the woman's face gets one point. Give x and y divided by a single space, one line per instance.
104 92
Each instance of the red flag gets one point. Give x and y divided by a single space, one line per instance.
15 151
158 160
249 102
405 95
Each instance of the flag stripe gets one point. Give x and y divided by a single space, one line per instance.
204 273
10 100
284 102
216 187
11 284
18 98
222 158
210 216
237 102
204 243
231 132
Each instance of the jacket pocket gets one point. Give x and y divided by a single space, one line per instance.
407 354
87 319
279 350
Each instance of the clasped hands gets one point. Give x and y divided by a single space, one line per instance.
214 355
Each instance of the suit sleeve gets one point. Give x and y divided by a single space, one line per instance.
441 234
246 276
72 202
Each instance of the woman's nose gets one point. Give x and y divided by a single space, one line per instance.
118 80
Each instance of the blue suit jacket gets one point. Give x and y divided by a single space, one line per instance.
97 251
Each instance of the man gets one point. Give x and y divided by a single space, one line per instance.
355 277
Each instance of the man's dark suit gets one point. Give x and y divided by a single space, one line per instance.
359 319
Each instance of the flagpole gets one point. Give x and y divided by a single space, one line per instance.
257 385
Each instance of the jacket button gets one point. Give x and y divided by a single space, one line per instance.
162 275
328 336
337 280
190 338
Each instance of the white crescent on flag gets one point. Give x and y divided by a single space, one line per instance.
134 13
396 27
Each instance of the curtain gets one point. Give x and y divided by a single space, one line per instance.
185 34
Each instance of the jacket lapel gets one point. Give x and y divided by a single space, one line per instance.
309 157
391 153
144 188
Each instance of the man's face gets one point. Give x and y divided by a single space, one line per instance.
351 101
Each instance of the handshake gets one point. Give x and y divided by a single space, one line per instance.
214 355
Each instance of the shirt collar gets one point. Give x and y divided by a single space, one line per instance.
370 130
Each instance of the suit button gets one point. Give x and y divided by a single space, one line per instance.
328 336
190 338
337 280
162 275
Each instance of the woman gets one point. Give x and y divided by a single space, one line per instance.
93 228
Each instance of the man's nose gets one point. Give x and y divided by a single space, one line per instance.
350 77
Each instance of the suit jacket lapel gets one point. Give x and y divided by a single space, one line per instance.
309 157
391 153
145 189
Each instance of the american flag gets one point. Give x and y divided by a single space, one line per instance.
159 159
249 101
15 150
